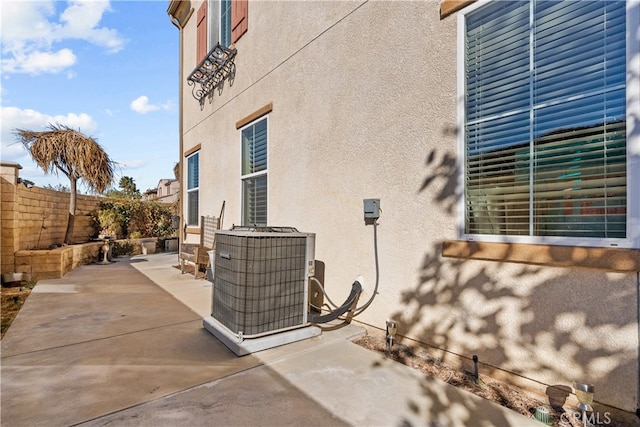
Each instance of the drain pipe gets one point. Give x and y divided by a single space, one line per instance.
179 22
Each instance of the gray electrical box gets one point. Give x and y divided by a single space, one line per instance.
371 210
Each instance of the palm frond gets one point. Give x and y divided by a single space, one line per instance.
63 149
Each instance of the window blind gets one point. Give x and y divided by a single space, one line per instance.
193 171
193 183
254 148
545 128
192 208
254 171
255 201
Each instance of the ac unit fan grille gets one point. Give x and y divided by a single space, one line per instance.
259 282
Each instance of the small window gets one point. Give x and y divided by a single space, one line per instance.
254 173
193 185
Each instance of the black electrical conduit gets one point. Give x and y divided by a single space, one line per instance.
356 289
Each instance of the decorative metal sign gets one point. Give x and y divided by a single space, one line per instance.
211 73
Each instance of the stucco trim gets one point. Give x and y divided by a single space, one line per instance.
192 230
447 7
611 259
255 115
192 150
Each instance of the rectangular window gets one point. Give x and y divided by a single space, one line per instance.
254 173
225 22
544 106
193 185
219 23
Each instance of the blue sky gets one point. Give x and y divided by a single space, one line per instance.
108 69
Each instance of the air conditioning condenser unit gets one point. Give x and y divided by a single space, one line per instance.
260 292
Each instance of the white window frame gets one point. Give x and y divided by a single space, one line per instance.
191 190
264 172
632 239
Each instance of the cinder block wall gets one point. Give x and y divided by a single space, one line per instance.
43 217
36 218
8 216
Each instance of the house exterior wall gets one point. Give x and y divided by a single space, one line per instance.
167 191
364 106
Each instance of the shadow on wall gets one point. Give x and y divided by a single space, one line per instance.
553 325
539 324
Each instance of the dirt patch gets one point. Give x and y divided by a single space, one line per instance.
12 300
488 388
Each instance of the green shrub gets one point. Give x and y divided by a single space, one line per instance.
134 218
121 248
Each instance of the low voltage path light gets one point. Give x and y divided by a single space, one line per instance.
584 394
392 330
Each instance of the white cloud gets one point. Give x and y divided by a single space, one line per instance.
141 105
131 164
39 62
80 21
12 118
27 21
29 30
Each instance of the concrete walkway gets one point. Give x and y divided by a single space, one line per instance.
123 345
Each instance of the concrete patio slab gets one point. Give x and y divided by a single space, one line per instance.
123 344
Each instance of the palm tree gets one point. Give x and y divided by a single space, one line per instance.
128 187
77 156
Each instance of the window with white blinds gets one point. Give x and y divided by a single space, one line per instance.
254 173
193 186
545 138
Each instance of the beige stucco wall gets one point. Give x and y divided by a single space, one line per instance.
364 106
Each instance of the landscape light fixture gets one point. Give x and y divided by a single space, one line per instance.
392 329
584 394
26 182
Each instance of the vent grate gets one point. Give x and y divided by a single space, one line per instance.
260 281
